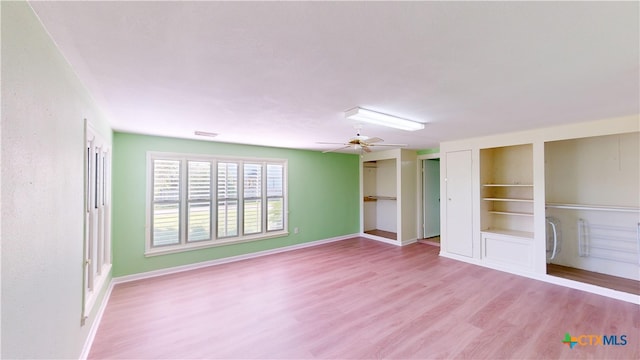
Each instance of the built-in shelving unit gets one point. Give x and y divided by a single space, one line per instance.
531 202
506 175
507 189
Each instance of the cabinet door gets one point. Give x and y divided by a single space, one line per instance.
459 238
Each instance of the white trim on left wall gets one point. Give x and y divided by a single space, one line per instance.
94 327
177 269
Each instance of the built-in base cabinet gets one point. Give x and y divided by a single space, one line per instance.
506 250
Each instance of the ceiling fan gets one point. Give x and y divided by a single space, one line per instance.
360 142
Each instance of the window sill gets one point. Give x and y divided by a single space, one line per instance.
173 249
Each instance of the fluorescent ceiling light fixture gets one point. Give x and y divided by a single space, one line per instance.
377 118
205 133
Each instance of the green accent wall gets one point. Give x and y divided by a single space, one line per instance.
323 192
428 151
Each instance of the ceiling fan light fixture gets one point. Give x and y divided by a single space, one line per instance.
377 118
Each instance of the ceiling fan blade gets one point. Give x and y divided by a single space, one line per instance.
330 143
366 149
396 145
373 140
340 148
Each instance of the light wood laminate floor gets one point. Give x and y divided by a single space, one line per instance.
357 299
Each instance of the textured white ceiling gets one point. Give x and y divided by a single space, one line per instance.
283 73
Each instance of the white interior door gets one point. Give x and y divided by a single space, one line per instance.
459 221
431 201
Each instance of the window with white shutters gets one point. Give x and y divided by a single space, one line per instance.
252 199
199 201
166 202
227 199
97 221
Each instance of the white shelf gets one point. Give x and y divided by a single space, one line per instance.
508 185
508 199
593 207
507 232
376 197
511 213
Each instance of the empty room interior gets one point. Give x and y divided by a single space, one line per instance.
320 180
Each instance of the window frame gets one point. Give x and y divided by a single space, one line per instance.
215 240
267 197
97 261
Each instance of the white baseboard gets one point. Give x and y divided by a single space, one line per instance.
594 289
96 322
388 241
410 241
177 269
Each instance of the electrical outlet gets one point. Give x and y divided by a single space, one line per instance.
295 230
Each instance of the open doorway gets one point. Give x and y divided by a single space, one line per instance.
431 201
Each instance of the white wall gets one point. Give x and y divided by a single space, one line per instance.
408 197
386 178
595 170
43 110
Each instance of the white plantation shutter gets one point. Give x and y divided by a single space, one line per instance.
199 201
227 201
275 197
166 202
252 205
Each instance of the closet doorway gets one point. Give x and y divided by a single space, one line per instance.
380 212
